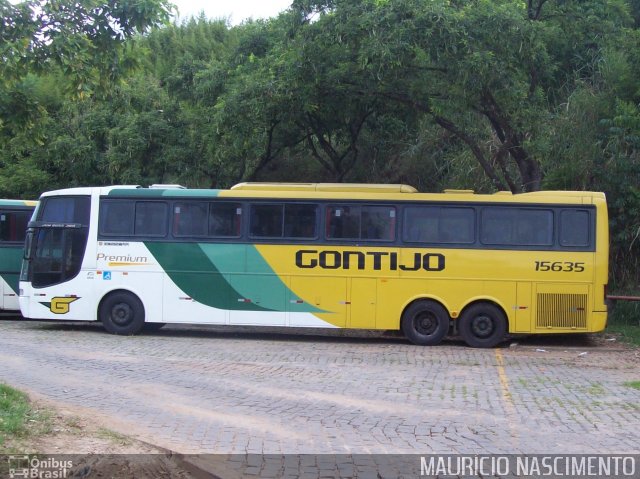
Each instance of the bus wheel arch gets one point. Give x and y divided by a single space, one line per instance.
121 312
483 324
425 322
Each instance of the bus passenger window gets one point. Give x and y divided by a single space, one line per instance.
439 224
116 218
224 220
574 228
13 225
190 219
516 226
266 221
378 223
457 225
421 224
151 219
343 222
300 221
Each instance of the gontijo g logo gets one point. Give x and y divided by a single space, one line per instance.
60 304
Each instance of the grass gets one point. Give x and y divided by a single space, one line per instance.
14 410
633 384
113 436
19 419
596 389
625 321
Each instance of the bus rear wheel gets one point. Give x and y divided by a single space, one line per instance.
482 325
122 313
425 323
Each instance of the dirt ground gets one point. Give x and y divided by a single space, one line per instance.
93 449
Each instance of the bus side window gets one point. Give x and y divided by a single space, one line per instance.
535 227
574 228
420 224
151 219
116 218
497 226
378 223
224 219
190 218
439 224
266 221
344 222
516 226
456 225
13 225
300 221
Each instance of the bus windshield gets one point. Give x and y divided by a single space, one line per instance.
56 241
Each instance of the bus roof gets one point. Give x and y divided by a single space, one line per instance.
329 187
28 203
337 191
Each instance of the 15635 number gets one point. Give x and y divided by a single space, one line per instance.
564 266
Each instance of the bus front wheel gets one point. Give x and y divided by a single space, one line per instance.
122 313
425 323
482 325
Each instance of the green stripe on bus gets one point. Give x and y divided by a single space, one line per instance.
195 269
261 283
11 260
192 271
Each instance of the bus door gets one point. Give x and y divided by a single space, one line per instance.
326 293
362 309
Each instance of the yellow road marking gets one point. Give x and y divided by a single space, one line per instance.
510 410
504 382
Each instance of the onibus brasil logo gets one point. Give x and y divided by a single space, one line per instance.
25 466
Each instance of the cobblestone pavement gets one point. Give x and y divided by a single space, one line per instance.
211 390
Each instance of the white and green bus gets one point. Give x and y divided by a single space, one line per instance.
320 255
14 217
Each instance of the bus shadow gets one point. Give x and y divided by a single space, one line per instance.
557 341
261 333
257 333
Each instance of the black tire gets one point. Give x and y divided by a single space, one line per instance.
482 325
122 313
152 327
425 323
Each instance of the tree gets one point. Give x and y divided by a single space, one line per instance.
83 46
487 72
85 38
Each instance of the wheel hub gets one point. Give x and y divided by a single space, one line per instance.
482 326
121 314
425 323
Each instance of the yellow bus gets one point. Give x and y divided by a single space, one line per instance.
320 255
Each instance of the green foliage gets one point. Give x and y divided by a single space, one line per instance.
14 407
85 39
625 321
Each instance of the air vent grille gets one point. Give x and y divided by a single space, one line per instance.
561 311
